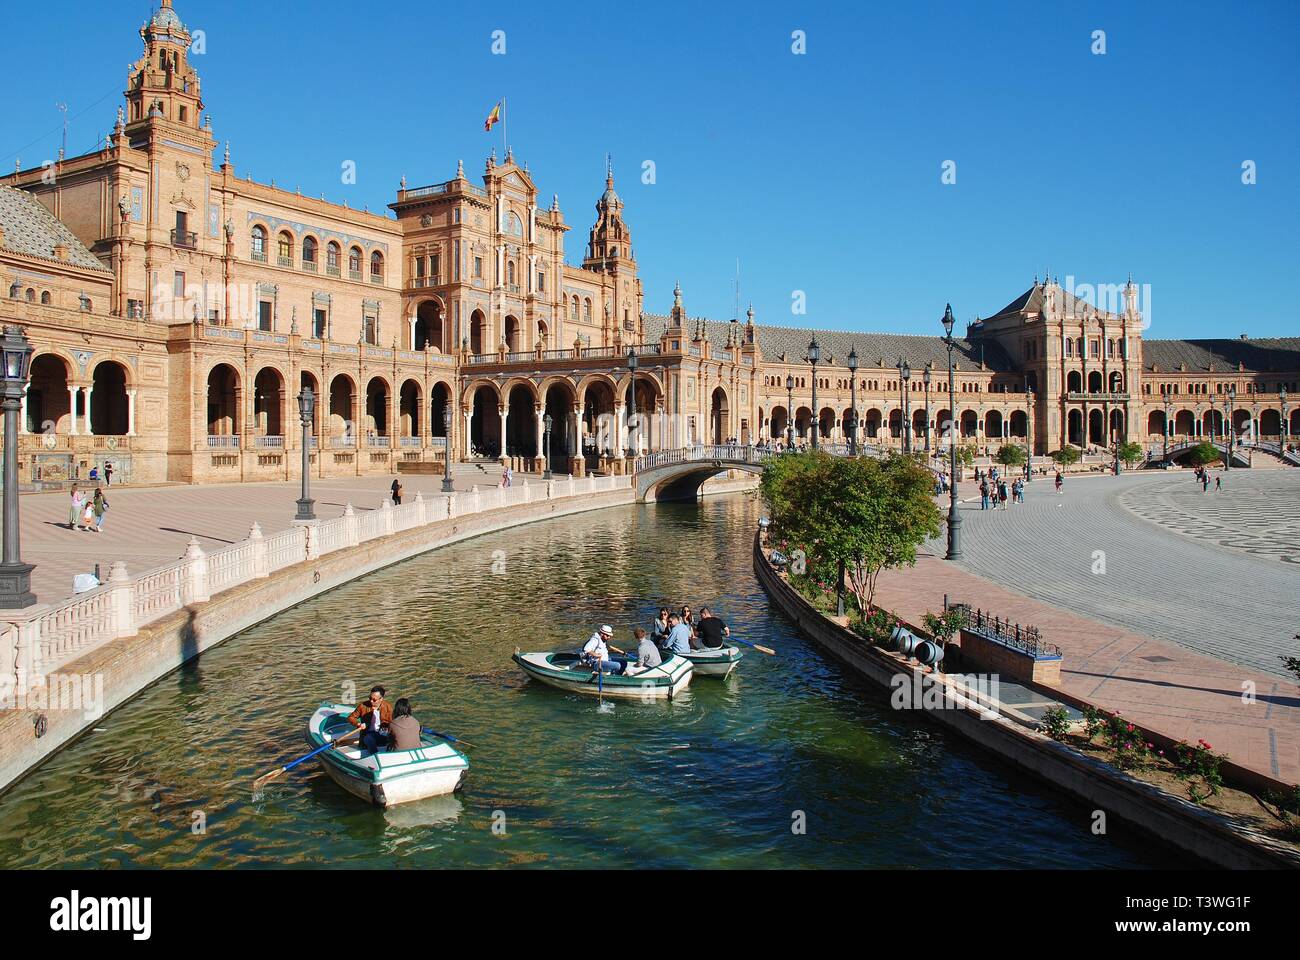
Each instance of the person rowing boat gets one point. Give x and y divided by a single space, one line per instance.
595 652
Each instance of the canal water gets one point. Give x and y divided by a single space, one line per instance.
789 763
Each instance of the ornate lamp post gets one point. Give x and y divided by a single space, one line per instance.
1166 455
925 378
306 410
1229 408
954 520
1029 434
814 356
853 402
447 486
789 412
1114 434
905 372
15 576
633 361
546 445
1285 425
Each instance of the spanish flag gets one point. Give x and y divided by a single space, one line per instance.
492 117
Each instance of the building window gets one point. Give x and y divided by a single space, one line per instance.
434 273
309 253
264 316
284 250
376 267
510 274
45 297
178 284
257 244
354 263
318 323
455 215
419 270
586 310
135 309
478 268
371 334
333 256
86 305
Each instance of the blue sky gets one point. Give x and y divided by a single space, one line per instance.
820 172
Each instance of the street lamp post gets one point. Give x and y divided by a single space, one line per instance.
925 378
814 355
447 486
546 446
15 576
1229 430
633 361
1166 454
789 412
853 402
1114 435
306 411
1285 432
954 520
905 372
1029 434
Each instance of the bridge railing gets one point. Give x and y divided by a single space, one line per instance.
737 453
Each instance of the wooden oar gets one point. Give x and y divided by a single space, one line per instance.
266 778
445 736
761 649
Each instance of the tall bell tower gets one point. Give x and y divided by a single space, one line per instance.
163 88
609 252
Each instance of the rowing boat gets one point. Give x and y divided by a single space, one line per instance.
714 661
388 777
566 671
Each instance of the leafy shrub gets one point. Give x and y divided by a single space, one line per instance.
1056 723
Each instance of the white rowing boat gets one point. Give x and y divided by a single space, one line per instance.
566 671
714 661
388 777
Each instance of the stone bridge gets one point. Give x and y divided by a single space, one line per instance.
678 474
1240 458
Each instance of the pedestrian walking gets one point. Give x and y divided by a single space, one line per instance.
99 506
1059 481
1218 484
397 491
108 474
1002 493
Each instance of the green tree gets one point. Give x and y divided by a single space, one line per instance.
1066 456
1010 455
1131 452
869 514
1203 453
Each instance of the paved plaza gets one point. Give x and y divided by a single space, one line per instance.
149 526
1215 573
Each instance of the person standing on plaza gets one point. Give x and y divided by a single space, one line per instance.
108 474
1205 481
100 507
1002 492
75 508
1218 483
984 494
506 476
1059 481
397 491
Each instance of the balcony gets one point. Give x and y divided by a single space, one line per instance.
185 239
376 441
309 265
258 255
354 274
332 269
270 442
224 442
1076 397
284 261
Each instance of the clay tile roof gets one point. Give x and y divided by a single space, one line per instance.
30 230
1275 354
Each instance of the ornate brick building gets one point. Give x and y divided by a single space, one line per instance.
178 309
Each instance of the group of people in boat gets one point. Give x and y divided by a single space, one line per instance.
671 634
384 725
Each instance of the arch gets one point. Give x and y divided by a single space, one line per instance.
719 416
1241 421
521 419
268 403
477 332
1096 427
439 403
310 246
1116 382
1094 382
598 392
49 405
1270 423
562 442
1018 423
826 423
779 422
376 418
257 242
1156 423
45 297
1118 427
342 408
1294 419
993 424
968 424
471 388
512 333
802 422
872 420
428 329
544 334
1184 423
641 417
333 258
376 267
485 420
1074 428
1074 382
284 248
355 257
408 409
645 381
109 407
534 394
223 401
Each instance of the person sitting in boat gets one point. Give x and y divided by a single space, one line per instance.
711 631
659 630
404 729
596 652
376 716
679 636
647 654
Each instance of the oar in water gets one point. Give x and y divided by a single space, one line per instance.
278 772
761 649
445 736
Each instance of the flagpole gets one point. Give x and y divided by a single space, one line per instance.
505 141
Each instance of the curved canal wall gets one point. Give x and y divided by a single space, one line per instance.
1168 818
84 667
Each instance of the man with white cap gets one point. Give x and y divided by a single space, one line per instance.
596 651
